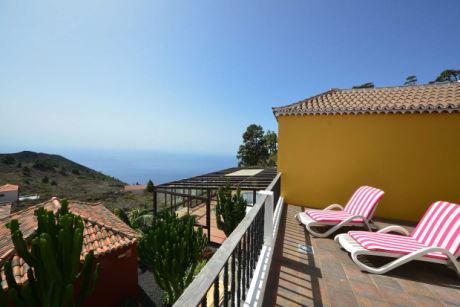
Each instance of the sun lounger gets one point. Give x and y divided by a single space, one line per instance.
358 212
435 239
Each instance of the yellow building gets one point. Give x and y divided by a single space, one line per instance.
404 140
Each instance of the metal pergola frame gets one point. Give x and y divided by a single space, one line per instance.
208 184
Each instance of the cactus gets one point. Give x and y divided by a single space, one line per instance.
54 260
139 219
230 209
171 249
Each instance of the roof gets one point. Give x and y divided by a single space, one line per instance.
427 98
135 187
246 178
5 209
104 232
9 187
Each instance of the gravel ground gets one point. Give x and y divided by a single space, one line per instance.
151 293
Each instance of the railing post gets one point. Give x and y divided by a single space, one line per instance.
208 213
268 217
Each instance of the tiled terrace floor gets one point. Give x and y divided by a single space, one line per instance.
217 235
328 277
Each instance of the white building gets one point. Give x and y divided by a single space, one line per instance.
9 193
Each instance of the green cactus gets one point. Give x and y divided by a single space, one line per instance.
230 209
54 260
171 249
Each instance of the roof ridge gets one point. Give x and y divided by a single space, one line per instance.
306 99
447 83
94 222
420 98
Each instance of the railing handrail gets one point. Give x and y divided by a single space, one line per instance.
199 287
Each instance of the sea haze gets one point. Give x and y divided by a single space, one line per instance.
139 167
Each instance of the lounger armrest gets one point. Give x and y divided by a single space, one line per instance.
334 206
394 228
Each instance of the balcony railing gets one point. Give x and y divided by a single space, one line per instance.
238 271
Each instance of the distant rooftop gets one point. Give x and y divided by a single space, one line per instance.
427 98
135 187
9 187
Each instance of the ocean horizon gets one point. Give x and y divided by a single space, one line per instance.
160 167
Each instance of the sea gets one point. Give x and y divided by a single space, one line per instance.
135 167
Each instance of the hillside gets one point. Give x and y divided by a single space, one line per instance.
52 175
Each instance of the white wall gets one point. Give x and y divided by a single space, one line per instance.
10 196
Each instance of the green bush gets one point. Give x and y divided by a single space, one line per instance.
172 249
26 171
45 179
54 261
230 209
8 159
44 165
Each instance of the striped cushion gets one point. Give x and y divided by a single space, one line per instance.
391 243
363 202
330 216
440 227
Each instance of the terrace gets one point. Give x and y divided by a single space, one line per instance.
266 262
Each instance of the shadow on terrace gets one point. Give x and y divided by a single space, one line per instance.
271 260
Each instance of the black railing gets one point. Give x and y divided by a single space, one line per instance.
226 278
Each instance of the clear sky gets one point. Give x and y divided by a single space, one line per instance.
189 76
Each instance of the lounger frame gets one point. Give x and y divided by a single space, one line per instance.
309 222
352 246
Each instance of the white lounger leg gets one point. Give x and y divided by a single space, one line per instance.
303 218
356 250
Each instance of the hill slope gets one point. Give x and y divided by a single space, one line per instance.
53 175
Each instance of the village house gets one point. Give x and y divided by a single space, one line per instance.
9 193
113 242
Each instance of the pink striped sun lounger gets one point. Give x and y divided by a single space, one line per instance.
435 239
358 212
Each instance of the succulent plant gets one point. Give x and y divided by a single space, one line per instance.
53 255
172 249
230 209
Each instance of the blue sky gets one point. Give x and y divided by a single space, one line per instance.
189 76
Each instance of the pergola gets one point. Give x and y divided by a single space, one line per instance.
199 190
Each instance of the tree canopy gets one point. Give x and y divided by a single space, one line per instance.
150 186
450 75
365 85
258 148
411 80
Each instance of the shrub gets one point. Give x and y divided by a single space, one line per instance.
44 165
8 159
172 249
45 179
75 171
150 186
54 262
53 182
230 209
26 171
63 171
19 165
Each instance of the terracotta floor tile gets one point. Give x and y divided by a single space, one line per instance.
329 277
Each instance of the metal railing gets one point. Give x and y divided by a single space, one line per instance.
228 279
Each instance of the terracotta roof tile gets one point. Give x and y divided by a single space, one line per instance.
428 98
9 187
104 232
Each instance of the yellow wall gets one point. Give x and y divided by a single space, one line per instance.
414 158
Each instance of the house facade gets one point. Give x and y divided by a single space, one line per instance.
403 140
113 242
9 193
